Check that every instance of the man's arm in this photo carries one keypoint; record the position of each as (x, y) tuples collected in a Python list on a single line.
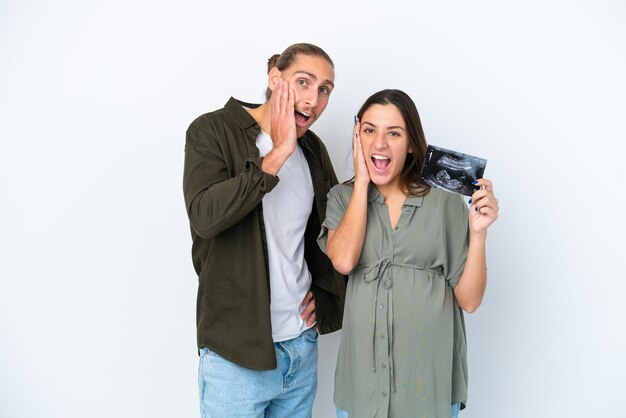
[(214, 200)]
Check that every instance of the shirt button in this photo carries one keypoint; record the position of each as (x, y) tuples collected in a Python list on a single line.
[(381, 306), (387, 252), (383, 366), (384, 394), (382, 335)]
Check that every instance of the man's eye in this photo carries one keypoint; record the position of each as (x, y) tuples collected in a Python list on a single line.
[(302, 82), (325, 91)]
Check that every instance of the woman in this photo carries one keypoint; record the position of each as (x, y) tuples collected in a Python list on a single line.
[(415, 259)]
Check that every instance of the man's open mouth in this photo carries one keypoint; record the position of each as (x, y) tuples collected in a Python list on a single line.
[(302, 117)]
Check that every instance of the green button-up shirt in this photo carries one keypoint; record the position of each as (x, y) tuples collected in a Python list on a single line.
[(403, 351), (223, 186)]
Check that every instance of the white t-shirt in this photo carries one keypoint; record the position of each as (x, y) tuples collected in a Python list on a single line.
[(286, 210)]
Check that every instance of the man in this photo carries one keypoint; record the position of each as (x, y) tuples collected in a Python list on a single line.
[(255, 185)]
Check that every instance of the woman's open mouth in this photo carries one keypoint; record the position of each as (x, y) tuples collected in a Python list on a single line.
[(381, 162)]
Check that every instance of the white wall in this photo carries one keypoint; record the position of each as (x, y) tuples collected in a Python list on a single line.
[(97, 291)]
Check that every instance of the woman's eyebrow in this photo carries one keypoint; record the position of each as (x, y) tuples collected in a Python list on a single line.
[(388, 127)]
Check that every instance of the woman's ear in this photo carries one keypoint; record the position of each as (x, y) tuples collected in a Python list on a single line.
[(273, 76)]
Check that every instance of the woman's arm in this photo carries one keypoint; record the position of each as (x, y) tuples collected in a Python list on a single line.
[(483, 212), (344, 244), (471, 287)]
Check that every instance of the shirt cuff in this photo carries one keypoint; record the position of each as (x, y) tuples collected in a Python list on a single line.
[(268, 181)]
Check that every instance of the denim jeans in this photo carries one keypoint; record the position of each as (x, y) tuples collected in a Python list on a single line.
[(454, 411), (228, 390)]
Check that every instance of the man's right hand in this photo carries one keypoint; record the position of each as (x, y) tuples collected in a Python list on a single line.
[(283, 127)]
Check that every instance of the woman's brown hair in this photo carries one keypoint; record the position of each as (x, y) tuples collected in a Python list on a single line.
[(409, 178)]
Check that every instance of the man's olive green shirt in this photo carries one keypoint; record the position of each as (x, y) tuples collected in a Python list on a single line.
[(224, 186)]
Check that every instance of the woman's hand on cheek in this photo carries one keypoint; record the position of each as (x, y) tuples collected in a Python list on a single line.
[(361, 175)]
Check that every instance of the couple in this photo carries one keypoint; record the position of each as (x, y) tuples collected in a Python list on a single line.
[(415, 257)]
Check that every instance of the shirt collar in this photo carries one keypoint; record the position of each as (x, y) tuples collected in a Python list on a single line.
[(414, 201), (374, 195), (242, 117)]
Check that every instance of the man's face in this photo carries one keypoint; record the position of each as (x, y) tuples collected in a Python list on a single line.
[(312, 80)]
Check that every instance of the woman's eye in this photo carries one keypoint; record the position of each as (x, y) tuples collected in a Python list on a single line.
[(368, 130), (392, 133)]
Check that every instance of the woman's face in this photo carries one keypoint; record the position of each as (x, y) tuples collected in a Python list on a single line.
[(385, 144)]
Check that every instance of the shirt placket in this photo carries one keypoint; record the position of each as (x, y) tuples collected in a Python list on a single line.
[(381, 346), (383, 333)]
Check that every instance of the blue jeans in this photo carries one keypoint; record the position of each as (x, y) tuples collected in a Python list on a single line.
[(228, 390), (454, 411)]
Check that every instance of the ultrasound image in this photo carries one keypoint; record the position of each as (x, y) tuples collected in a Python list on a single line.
[(451, 170)]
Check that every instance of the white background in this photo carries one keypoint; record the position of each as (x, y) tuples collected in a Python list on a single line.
[(97, 290)]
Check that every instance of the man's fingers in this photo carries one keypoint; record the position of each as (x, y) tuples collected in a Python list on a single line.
[(307, 298), (308, 310), (311, 320), (291, 101), (276, 98), (308, 313)]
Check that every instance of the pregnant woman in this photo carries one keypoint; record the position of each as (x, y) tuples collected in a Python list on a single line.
[(415, 257)]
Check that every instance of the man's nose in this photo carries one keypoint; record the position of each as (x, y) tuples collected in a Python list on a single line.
[(311, 98)]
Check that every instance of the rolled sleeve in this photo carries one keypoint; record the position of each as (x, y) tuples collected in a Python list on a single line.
[(335, 210), (267, 180)]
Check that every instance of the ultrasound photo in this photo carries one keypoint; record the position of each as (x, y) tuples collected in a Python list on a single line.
[(451, 170)]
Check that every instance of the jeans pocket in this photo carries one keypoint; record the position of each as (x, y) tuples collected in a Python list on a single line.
[(311, 335), (207, 352)]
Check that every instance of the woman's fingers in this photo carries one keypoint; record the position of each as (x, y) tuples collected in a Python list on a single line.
[(485, 184), (486, 205), (485, 189), (360, 166), (488, 212)]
